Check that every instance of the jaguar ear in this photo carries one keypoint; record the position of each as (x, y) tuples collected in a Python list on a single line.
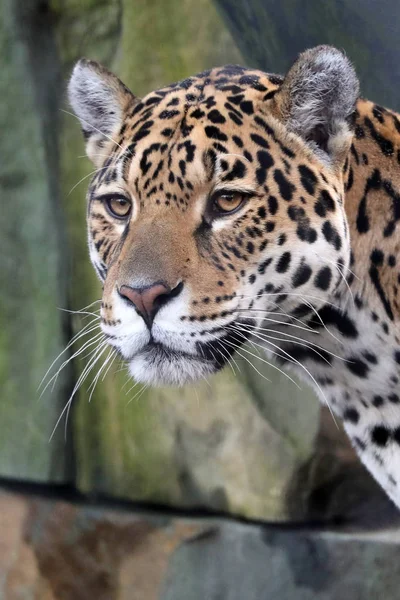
[(100, 101), (317, 101)]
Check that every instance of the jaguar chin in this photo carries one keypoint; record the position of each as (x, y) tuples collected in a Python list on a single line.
[(159, 365)]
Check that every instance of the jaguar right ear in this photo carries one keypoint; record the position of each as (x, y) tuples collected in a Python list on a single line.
[(317, 100), (100, 101)]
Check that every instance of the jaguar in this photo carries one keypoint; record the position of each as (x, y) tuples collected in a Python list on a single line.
[(238, 206)]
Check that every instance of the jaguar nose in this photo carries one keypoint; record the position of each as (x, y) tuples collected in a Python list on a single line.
[(148, 300)]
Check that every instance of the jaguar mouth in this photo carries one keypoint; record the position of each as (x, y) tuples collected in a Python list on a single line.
[(157, 364)]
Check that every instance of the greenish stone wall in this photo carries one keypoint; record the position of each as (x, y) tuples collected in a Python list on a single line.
[(248, 442), (33, 248)]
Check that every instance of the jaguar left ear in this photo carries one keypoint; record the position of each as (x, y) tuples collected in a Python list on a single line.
[(100, 101), (317, 101)]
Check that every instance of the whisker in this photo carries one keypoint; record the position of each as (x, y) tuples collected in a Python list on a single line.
[(308, 373), (302, 297), (285, 323), (226, 356), (82, 377), (307, 343), (80, 350), (261, 359), (71, 343), (92, 126), (80, 312), (138, 395), (85, 177)]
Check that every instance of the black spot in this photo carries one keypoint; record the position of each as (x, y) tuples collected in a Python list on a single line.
[(237, 141), (380, 435), (350, 180), (266, 161), (197, 114), (173, 102), (324, 204), (235, 118), (286, 188), (377, 401), (215, 134), (377, 257), (236, 99), (263, 266), (269, 226), (385, 145), (259, 140), (377, 112), (283, 263), (396, 435), (332, 316), (323, 278), (308, 179), (359, 444), (301, 353), (359, 132), (168, 114), (216, 117), (262, 213), (374, 275), (272, 205), (306, 233), (247, 107), (247, 155), (296, 213), (182, 166), (302, 275), (238, 170), (352, 415), (331, 235), (394, 398), (357, 366), (281, 239), (250, 247), (370, 357), (374, 182), (269, 95)]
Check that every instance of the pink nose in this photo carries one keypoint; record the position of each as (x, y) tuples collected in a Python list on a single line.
[(146, 300)]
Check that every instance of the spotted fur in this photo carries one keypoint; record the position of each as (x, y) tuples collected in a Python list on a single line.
[(307, 267)]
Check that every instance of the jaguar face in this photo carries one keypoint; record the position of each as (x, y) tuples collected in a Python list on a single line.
[(217, 204)]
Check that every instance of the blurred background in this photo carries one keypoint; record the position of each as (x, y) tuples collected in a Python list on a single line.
[(236, 488)]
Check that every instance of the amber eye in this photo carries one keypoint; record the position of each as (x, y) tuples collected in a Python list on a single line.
[(118, 206), (228, 202)]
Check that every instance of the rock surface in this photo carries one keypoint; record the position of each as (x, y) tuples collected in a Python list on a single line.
[(56, 550), (270, 34), (239, 444), (33, 280), (247, 443)]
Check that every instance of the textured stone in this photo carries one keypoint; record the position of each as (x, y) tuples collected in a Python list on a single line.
[(57, 550), (33, 281), (270, 34), (248, 442)]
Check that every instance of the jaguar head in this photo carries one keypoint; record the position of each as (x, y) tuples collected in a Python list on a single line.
[(217, 202)]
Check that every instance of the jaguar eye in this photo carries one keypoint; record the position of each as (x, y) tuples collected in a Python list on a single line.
[(227, 202), (118, 207)]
